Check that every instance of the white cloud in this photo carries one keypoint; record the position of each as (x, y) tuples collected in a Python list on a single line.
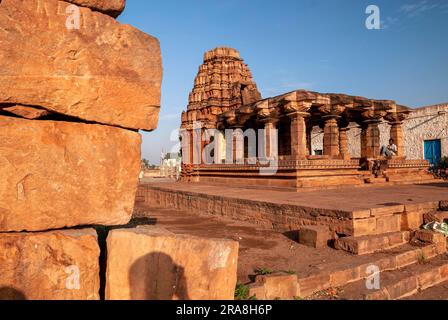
[(418, 8)]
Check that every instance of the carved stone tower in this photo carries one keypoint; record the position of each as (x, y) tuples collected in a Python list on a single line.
[(224, 82)]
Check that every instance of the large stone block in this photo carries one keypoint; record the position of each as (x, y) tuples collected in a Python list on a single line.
[(411, 220), (275, 286), (314, 236), (386, 224), (103, 72), (150, 263), (61, 174), (57, 265), (111, 7), (370, 244)]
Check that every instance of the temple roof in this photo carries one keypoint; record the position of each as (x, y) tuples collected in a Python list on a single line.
[(317, 105), (224, 81), (224, 92)]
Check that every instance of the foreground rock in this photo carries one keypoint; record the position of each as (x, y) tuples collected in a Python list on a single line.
[(60, 174), (150, 263), (59, 265), (102, 72), (111, 7)]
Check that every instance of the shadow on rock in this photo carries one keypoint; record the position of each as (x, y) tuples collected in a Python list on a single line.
[(156, 277), (8, 293)]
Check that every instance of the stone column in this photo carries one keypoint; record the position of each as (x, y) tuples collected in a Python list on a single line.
[(343, 143), (203, 145), (298, 135), (331, 137), (197, 145), (396, 133), (220, 143), (238, 145), (187, 146), (395, 120), (269, 126), (370, 139)]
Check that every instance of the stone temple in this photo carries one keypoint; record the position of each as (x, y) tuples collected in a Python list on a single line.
[(225, 96), (77, 223)]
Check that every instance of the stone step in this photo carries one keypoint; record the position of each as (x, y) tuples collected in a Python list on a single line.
[(374, 243), (438, 292), (399, 284), (309, 286), (389, 260)]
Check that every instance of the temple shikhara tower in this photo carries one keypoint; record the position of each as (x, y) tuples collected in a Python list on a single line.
[(225, 96)]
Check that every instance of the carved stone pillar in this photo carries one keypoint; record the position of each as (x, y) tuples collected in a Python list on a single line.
[(220, 147), (396, 130), (396, 133), (343, 143), (269, 126), (331, 113), (187, 146), (331, 137), (238, 145), (197, 145), (298, 135), (370, 139)]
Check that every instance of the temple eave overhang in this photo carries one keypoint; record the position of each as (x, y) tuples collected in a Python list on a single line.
[(317, 106)]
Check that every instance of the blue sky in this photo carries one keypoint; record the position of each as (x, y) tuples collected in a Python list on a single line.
[(320, 45)]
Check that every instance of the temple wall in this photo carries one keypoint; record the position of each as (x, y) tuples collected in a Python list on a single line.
[(423, 124)]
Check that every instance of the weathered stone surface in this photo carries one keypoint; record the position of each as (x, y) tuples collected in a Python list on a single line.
[(102, 72), (26, 112), (314, 236), (357, 227), (150, 263), (275, 286), (429, 236), (374, 243), (61, 174), (57, 265), (411, 220), (312, 284), (388, 210), (437, 216), (111, 7), (386, 224)]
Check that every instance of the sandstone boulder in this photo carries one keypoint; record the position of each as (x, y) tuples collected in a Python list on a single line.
[(103, 72), (58, 265), (149, 263), (111, 7), (58, 174)]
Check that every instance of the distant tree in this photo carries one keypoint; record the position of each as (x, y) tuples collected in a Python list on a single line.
[(146, 163)]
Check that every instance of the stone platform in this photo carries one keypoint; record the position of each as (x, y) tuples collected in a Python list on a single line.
[(348, 211)]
